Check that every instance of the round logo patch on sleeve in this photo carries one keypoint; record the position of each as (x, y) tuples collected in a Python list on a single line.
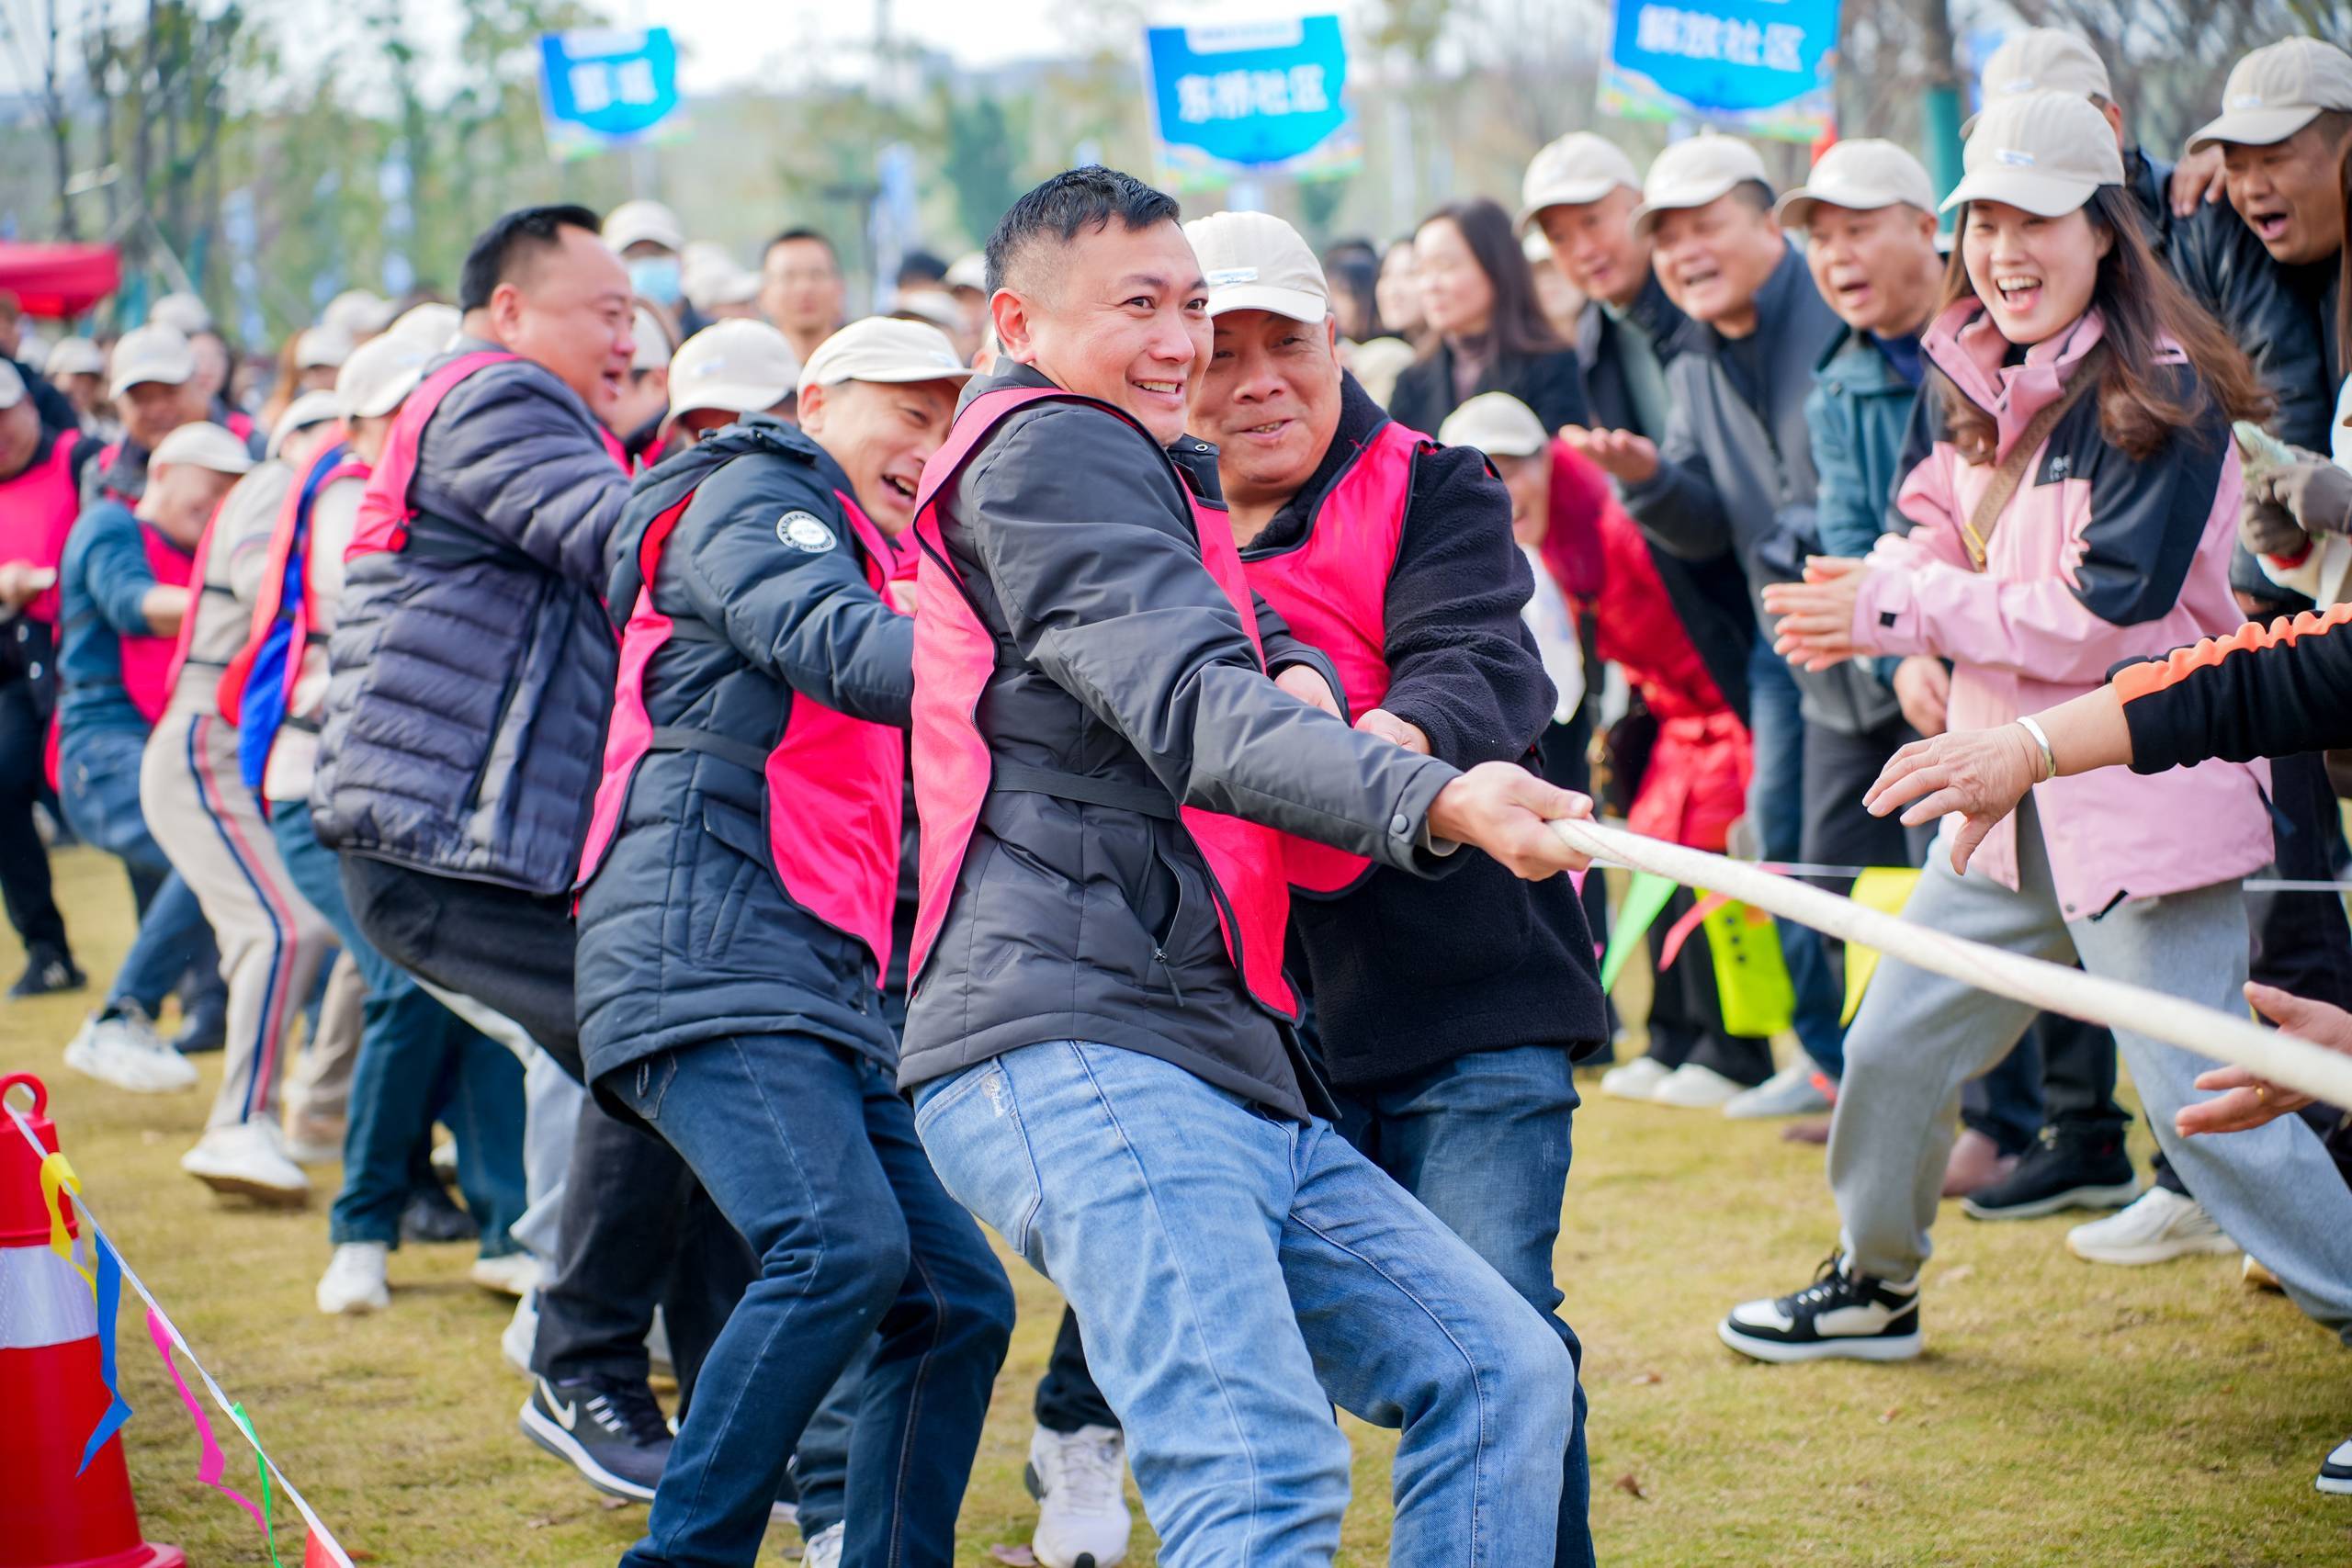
[(805, 531)]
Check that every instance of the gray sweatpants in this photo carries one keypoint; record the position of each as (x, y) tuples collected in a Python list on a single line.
[(1919, 1037)]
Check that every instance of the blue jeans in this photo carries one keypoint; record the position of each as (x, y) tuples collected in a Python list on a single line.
[(1236, 1273), (809, 1151), (98, 786), (1484, 1142), (417, 1060), (1776, 809)]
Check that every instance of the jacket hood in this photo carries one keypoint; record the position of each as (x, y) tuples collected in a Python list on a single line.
[(1965, 346)]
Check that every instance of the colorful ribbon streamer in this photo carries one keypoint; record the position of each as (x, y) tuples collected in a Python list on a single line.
[(57, 1171), (110, 1289), (261, 1463), (1679, 933), (209, 1464)]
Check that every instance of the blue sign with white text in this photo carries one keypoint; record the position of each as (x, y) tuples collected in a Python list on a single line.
[(1760, 66), (606, 87), (1261, 97)]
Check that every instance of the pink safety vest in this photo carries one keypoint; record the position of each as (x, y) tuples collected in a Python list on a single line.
[(150, 664), (954, 656), (835, 792), (37, 510), (1333, 589), (293, 518)]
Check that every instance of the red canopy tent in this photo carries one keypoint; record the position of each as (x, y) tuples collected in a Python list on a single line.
[(58, 280)]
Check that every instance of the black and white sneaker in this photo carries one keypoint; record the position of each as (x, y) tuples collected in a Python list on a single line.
[(1839, 1314), (2067, 1167), (612, 1432), (48, 970), (2335, 1470)]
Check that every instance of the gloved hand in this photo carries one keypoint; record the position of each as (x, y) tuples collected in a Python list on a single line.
[(2316, 493), (2267, 528)]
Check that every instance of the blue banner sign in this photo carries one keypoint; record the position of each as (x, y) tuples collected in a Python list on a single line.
[(1756, 67), (1251, 98), (608, 87)]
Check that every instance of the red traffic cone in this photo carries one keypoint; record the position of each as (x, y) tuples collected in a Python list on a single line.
[(52, 1394), (316, 1553)]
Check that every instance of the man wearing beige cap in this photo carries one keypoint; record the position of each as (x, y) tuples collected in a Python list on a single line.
[(723, 372), (1735, 472), (123, 593), (650, 242), (1395, 558), (761, 759), (358, 313), (153, 385)]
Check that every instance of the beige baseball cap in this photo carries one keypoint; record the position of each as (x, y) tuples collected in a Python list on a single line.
[(879, 348), (151, 353), (1496, 423), (634, 221), (203, 444), (322, 348), (653, 345), (2277, 90), (969, 270), (2046, 153), (738, 366), (380, 373), (75, 356), (12, 386), (184, 312), (929, 305), (708, 278), (1694, 172), (431, 325), (1254, 261), (1863, 175), (2041, 59), (309, 408), (1578, 168), (359, 312)]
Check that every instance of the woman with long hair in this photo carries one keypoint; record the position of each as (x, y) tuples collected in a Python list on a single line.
[(2076, 509), (1488, 331)]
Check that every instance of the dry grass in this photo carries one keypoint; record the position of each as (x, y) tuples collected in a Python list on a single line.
[(2065, 1414)]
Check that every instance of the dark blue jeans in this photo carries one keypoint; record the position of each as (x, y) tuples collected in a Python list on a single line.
[(1776, 811), (811, 1153), (1484, 1142), (417, 1060)]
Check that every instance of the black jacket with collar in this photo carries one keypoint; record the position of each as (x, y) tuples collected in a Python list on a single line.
[(1407, 972), (1608, 396)]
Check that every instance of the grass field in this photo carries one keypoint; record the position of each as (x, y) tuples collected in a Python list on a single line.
[(2063, 1414)]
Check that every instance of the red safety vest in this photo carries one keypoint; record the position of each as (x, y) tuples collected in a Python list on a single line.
[(150, 664), (37, 510), (1333, 589), (836, 786), (954, 656), (288, 539)]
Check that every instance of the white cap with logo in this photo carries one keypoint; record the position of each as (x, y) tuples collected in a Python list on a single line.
[(1694, 172), (633, 223), (2047, 153), (1578, 168), (1254, 261), (2041, 59), (881, 349), (202, 444), (1863, 175), (2277, 90), (12, 386), (151, 353), (358, 312), (739, 366), (75, 356), (380, 373), (309, 408), (1496, 423), (322, 348)]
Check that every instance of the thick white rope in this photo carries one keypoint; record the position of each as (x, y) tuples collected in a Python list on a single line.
[(2053, 988)]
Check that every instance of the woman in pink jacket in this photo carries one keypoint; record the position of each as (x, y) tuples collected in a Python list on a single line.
[(2076, 509)]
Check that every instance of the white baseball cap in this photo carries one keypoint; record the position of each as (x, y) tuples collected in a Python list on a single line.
[(880, 349), (434, 326), (75, 356), (2047, 153), (379, 374), (1496, 423), (202, 444), (12, 386), (708, 278), (309, 408), (931, 305), (1694, 172), (322, 348), (1578, 168), (151, 353), (634, 221), (740, 366), (360, 314), (2277, 90), (2042, 59), (969, 270), (1862, 175), (1254, 261), (184, 312)]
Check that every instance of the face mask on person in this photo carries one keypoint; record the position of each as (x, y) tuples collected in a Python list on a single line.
[(656, 277)]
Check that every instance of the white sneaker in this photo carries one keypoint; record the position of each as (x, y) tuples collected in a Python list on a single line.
[(824, 1548), (1789, 1092), (514, 1274), (354, 1283), (1694, 1088), (1636, 1080), (245, 1159), (2159, 1227), (121, 1048), (1082, 1518), (521, 1334)]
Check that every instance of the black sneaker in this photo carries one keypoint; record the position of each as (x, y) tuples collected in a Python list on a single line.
[(1838, 1315), (48, 970), (2068, 1168), (2335, 1470), (431, 1216), (611, 1432)]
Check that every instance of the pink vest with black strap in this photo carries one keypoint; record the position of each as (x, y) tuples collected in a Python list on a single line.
[(835, 794), (150, 664), (37, 510), (1333, 589), (953, 771)]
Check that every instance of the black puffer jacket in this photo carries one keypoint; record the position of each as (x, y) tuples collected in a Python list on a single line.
[(1117, 657), (2284, 317), (464, 725), (686, 932)]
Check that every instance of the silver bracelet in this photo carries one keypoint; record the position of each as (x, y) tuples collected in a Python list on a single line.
[(2048, 757)]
